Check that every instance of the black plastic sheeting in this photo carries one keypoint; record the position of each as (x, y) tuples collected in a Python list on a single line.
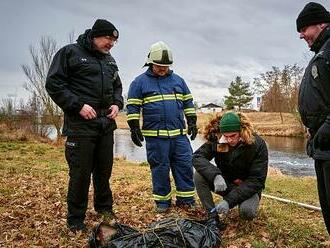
[(165, 233)]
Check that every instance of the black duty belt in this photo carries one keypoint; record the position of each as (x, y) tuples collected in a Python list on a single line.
[(102, 112)]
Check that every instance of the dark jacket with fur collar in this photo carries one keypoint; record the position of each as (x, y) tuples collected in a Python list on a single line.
[(249, 163)]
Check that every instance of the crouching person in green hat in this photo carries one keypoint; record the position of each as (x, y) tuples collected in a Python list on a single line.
[(241, 159)]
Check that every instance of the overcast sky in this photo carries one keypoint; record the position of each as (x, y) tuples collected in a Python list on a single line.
[(212, 41)]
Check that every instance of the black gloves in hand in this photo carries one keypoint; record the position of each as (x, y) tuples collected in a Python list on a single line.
[(192, 128), (322, 137), (136, 134), (192, 131)]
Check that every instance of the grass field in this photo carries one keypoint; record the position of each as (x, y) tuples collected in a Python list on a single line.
[(33, 186)]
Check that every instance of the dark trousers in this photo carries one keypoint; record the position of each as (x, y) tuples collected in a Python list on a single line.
[(322, 168), (248, 209), (88, 156)]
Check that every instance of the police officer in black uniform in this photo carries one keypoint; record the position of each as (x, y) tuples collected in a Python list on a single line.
[(314, 96), (83, 81)]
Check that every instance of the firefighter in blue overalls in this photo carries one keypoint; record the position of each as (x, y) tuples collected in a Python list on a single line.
[(164, 99)]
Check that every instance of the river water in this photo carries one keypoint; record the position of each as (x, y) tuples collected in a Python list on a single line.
[(285, 153)]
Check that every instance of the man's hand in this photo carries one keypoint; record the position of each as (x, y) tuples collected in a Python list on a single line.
[(87, 112), (192, 127), (322, 137), (113, 111), (222, 207), (219, 184), (137, 136), (192, 131)]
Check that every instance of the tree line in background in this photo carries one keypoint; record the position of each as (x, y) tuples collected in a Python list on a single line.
[(277, 87), (39, 114)]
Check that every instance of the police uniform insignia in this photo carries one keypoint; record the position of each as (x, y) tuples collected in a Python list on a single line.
[(314, 71)]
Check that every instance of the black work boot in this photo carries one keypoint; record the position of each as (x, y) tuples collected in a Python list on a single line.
[(76, 226)]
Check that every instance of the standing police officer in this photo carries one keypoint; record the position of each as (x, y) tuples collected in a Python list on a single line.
[(314, 96), (164, 99), (83, 80)]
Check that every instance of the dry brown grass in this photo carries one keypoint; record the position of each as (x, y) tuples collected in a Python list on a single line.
[(33, 187), (271, 124), (8, 134), (267, 123), (264, 124)]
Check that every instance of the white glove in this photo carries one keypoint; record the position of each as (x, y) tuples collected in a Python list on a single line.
[(222, 207), (219, 184)]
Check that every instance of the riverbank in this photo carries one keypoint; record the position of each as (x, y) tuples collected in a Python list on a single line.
[(268, 124), (33, 203)]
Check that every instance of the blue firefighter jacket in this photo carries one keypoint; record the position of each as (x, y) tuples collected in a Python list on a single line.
[(164, 101)]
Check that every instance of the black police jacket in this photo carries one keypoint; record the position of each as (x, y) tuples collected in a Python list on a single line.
[(314, 93), (248, 163), (81, 75)]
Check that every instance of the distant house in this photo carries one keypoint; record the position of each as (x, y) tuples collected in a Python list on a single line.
[(256, 103), (210, 108)]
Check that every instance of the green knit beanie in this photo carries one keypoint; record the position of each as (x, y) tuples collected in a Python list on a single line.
[(230, 122)]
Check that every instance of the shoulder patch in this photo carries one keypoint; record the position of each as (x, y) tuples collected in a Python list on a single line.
[(314, 71)]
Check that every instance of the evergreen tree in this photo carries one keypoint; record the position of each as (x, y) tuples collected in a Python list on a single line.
[(240, 94)]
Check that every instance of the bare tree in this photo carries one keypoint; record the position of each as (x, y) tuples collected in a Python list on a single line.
[(71, 36), (8, 106), (279, 89), (12, 114), (48, 112)]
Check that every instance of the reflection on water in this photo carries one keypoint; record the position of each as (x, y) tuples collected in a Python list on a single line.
[(294, 145), (286, 153)]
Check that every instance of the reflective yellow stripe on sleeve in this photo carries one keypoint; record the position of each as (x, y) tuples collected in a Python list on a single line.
[(133, 117), (190, 111), (187, 97)]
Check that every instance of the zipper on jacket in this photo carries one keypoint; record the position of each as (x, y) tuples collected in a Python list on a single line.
[(164, 107), (102, 75)]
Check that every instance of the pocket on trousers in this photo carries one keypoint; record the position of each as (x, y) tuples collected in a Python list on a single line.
[(153, 149), (71, 148)]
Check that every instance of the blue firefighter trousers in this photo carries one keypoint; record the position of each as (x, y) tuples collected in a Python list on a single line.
[(175, 154)]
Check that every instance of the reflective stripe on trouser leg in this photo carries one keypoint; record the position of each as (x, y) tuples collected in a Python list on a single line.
[(182, 170), (158, 159)]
